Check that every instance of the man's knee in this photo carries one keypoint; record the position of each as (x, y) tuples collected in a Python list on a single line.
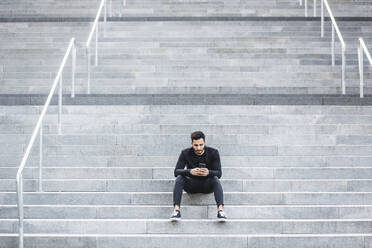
[(216, 181), (180, 179), (213, 185)]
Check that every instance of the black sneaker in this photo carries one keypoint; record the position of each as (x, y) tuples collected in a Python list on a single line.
[(176, 216), (221, 216)]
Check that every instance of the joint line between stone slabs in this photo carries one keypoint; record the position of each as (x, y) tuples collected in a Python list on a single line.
[(176, 99), (179, 18)]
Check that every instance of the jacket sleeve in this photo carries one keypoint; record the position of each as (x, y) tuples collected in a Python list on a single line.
[(216, 165), (180, 167)]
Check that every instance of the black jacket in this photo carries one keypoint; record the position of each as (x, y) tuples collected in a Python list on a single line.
[(213, 162)]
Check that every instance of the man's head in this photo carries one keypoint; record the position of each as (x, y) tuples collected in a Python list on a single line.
[(198, 142)]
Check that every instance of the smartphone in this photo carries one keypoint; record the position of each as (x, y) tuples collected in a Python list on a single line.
[(202, 165)]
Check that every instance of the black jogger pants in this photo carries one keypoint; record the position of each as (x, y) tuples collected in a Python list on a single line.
[(197, 185)]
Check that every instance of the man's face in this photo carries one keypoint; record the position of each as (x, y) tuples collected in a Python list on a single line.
[(198, 146)]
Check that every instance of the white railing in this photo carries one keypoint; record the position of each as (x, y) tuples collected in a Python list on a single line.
[(306, 7), (334, 28), (102, 6), (122, 5), (39, 130), (95, 29), (362, 49), (343, 45)]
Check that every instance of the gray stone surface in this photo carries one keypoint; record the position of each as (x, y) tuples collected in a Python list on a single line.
[(254, 75), (229, 58)]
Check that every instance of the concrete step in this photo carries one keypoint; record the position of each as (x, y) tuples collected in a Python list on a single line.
[(115, 111), (185, 240), (165, 198), (332, 87), (176, 8), (225, 150), (313, 212), (202, 119), (19, 132), (162, 185), (167, 173), (162, 94), (140, 139), (191, 226), (178, 86), (326, 161), (17, 71)]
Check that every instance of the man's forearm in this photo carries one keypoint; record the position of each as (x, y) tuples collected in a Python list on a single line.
[(182, 172), (213, 173), (180, 167)]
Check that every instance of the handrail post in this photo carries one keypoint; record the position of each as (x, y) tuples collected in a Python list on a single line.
[(104, 18), (20, 208), (88, 69), (73, 59), (95, 29), (305, 8), (96, 59), (343, 70), (110, 8), (300, 2), (60, 106), (333, 45), (322, 18), (360, 60), (335, 28), (314, 8), (41, 159), (123, 3)]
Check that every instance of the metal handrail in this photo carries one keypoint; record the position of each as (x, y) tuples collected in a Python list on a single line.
[(334, 27), (362, 49), (39, 129), (306, 7), (95, 29), (343, 45)]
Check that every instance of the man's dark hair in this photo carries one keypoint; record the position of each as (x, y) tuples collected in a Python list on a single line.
[(197, 135)]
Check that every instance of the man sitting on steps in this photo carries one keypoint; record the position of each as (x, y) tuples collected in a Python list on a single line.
[(201, 176)]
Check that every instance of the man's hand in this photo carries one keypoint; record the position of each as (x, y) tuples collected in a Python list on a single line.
[(204, 172), (200, 172), (195, 172)]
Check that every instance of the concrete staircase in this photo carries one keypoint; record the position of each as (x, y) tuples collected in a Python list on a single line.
[(291, 175), (296, 168)]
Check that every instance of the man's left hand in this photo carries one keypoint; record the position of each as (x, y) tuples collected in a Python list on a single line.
[(204, 172)]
